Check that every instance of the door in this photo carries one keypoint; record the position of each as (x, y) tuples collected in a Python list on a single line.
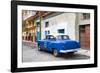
[(85, 36), (38, 35)]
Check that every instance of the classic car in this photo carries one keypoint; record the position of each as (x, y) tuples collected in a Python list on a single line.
[(58, 45)]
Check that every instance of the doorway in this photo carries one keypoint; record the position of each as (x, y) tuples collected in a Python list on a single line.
[(84, 33)]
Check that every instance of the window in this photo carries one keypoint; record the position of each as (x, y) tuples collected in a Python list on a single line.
[(45, 32), (38, 24), (46, 24), (86, 16), (48, 32), (61, 31)]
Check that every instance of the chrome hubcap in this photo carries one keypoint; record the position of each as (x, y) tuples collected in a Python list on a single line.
[(55, 53)]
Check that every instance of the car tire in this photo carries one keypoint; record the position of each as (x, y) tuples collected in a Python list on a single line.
[(39, 48), (55, 53)]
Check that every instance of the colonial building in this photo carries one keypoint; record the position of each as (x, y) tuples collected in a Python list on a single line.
[(28, 25)]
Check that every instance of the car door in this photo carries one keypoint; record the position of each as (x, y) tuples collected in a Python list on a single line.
[(45, 44)]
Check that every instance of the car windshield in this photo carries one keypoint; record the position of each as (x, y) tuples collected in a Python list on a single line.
[(63, 37)]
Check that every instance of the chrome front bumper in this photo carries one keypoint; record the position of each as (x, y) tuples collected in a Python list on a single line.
[(65, 51)]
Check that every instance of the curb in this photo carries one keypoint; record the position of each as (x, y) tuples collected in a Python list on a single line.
[(83, 52)]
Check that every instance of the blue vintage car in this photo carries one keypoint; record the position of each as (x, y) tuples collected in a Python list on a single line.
[(58, 45)]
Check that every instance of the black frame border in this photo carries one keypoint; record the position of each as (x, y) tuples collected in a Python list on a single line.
[(14, 4)]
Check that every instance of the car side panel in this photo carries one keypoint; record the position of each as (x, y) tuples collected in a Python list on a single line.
[(41, 44), (53, 46), (49, 45)]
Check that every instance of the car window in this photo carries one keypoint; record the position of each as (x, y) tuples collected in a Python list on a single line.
[(50, 37), (62, 37), (65, 37), (59, 37)]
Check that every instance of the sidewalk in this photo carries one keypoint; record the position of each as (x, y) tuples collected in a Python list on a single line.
[(83, 52), (29, 43)]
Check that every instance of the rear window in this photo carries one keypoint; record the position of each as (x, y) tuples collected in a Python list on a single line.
[(62, 37)]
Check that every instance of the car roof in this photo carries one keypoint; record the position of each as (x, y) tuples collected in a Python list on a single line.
[(57, 35)]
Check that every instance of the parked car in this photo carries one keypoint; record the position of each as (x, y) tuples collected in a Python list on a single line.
[(58, 45)]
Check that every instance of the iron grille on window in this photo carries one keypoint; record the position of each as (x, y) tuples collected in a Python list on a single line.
[(86, 16), (46, 24)]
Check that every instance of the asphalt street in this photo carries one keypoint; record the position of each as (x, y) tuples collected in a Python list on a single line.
[(31, 54)]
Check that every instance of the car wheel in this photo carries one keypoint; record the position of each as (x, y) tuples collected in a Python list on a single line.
[(55, 53), (39, 48)]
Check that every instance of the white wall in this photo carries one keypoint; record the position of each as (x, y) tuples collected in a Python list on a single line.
[(71, 25), (63, 21)]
